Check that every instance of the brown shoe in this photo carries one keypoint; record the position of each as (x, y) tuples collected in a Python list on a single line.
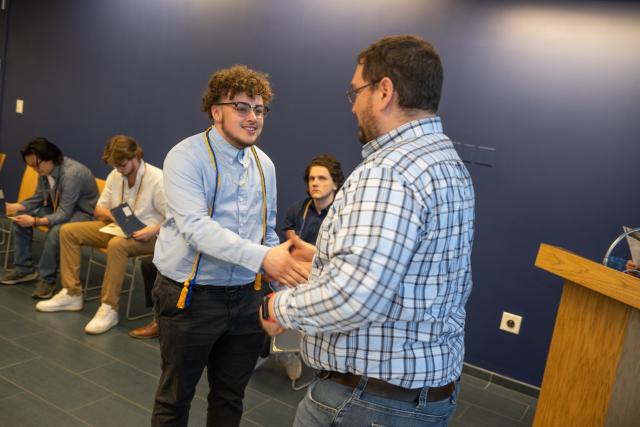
[(145, 332)]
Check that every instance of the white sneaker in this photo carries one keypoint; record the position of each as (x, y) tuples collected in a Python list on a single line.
[(106, 318), (61, 301)]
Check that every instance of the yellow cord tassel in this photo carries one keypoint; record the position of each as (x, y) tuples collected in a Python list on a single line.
[(184, 293), (257, 285)]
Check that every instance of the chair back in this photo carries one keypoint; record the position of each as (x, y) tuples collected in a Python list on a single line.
[(3, 157), (28, 184), (100, 183)]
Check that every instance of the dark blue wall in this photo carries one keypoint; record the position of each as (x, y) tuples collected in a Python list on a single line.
[(551, 89)]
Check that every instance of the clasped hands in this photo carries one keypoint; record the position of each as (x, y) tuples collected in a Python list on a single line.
[(289, 263)]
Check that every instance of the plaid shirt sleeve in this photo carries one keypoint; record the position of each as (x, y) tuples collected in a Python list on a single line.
[(374, 233)]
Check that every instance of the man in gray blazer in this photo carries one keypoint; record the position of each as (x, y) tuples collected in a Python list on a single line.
[(66, 191)]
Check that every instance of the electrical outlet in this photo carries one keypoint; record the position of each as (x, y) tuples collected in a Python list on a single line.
[(511, 323)]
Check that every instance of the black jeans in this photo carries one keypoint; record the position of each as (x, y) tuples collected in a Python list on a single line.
[(219, 330)]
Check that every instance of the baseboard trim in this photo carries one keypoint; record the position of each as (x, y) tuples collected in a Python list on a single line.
[(501, 380)]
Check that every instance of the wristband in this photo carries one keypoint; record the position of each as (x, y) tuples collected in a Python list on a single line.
[(35, 221), (265, 308)]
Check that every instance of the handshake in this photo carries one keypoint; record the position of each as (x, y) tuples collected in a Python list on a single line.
[(289, 263)]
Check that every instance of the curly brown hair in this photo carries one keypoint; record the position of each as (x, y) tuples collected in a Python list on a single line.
[(235, 80)]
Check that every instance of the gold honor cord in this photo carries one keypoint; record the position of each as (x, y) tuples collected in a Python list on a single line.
[(185, 294), (257, 285), (304, 217), (56, 199), (135, 202)]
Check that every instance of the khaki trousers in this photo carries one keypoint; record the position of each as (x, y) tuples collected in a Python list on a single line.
[(77, 234)]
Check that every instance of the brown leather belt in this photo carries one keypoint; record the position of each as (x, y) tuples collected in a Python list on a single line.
[(387, 390)]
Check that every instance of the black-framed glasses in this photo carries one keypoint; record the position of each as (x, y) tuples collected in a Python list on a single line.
[(352, 94), (243, 108)]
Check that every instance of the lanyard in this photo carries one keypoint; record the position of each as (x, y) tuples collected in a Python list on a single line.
[(135, 202), (185, 295), (304, 217)]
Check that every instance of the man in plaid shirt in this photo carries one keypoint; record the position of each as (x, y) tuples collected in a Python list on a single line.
[(383, 310)]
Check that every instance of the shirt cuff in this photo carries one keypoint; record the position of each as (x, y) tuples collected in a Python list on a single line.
[(280, 303), (254, 257)]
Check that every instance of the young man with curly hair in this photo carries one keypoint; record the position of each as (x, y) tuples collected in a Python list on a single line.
[(218, 238)]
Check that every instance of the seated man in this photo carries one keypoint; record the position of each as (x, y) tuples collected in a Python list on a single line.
[(132, 181), (66, 191), (323, 178)]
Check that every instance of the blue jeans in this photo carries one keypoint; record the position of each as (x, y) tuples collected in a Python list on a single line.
[(50, 257), (328, 403)]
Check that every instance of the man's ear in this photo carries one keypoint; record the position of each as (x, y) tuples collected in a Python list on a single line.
[(386, 91)]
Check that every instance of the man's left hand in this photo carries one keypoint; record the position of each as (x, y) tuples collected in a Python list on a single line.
[(24, 220), (272, 327), (144, 234)]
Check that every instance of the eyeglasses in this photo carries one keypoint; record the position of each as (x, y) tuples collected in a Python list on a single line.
[(352, 94), (243, 108)]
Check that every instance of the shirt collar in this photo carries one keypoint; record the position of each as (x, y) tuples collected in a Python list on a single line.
[(55, 172), (412, 129), (225, 150)]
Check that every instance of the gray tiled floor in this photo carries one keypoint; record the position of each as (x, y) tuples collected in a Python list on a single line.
[(53, 374)]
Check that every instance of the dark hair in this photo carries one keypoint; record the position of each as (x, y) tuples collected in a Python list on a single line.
[(43, 149), (235, 80), (121, 148), (412, 64), (332, 165)]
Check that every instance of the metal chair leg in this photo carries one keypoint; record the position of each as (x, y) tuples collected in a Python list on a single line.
[(136, 267)]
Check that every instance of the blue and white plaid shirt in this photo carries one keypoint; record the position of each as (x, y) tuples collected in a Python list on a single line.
[(392, 271)]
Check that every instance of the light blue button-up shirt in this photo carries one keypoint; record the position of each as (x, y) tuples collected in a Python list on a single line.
[(229, 242)]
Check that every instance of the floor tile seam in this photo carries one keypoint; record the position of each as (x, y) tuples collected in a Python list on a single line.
[(37, 356), (76, 374), (104, 365), (102, 352), (112, 392), (18, 314), (253, 390), (464, 411), (12, 395), (45, 401), (257, 424), (58, 364), (492, 411), (115, 394), (91, 403), (126, 364), (530, 407), (509, 398), (25, 335), (259, 405)]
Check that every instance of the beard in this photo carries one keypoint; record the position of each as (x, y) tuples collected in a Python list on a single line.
[(235, 140), (367, 126)]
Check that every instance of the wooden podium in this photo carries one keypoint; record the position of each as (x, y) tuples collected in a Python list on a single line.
[(592, 376)]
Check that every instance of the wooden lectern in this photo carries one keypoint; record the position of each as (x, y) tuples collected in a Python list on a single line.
[(592, 376)]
